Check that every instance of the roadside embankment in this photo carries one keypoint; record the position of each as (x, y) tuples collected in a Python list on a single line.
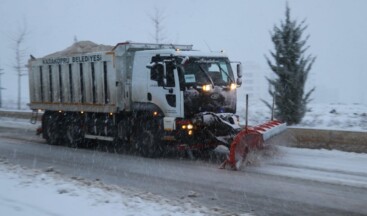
[(351, 141)]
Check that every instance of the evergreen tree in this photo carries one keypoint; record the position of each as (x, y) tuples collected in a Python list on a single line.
[(291, 68)]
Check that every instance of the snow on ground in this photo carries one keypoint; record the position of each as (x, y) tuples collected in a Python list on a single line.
[(34, 192), (47, 192), (322, 116), (29, 192), (339, 116), (329, 166)]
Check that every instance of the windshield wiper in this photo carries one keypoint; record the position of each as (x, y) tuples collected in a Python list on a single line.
[(206, 74), (225, 72)]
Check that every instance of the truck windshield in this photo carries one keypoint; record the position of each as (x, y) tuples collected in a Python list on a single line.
[(215, 71)]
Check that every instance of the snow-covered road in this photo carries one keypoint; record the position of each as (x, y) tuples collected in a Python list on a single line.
[(328, 166), (280, 180), (44, 192)]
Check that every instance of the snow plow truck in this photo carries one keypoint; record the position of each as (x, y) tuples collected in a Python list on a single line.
[(146, 96)]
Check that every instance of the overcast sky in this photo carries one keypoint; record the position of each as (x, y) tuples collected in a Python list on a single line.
[(337, 29)]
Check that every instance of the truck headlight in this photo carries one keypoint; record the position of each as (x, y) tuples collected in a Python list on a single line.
[(233, 86), (207, 87)]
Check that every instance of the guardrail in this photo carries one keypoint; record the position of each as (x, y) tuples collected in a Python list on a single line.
[(19, 114)]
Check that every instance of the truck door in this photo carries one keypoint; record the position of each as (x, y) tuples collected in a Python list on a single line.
[(164, 88)]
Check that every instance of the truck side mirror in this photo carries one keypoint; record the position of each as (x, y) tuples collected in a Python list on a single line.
[(239, 74), (239, 81), (239, 70), (151, 65)]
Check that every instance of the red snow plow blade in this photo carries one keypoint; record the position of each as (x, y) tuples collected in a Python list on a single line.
[(249, 139)]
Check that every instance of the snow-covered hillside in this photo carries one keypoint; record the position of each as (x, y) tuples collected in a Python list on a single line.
[(337, 116)]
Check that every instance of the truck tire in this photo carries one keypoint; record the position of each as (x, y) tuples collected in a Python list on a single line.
[(124, 130), (74, 133), (45, 117), (148, 141), (148, 144), (53, 130)]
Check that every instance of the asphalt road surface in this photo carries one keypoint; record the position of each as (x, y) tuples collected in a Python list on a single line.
[(246, 191)]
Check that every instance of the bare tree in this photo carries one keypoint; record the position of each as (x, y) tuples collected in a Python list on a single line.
[(20, 53), (157, 20)]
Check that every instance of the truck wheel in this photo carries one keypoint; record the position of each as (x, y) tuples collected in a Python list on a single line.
[(45, 117), (74, 133), (53, 133), (124, 130), (148, 144)]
